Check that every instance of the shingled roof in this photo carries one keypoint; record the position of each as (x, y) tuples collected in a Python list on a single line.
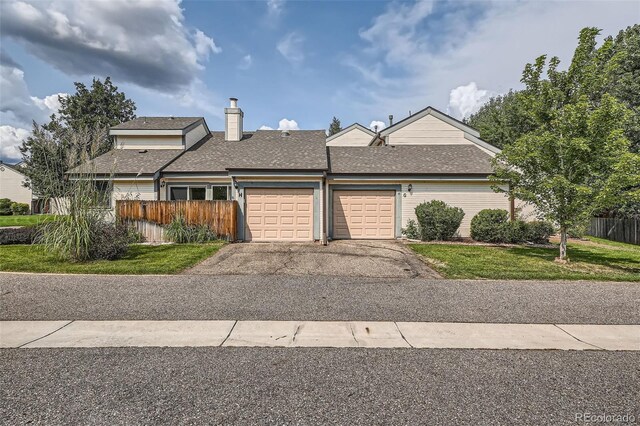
[(410, 159), (261, 150), (158, 123), (129, 162)]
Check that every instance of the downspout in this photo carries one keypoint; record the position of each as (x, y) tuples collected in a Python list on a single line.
[(325, 187)]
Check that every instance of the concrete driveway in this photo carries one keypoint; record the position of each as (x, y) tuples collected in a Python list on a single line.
[(375, 259)]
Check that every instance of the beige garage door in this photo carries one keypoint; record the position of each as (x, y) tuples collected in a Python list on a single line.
[(279, 214), (364, 214)]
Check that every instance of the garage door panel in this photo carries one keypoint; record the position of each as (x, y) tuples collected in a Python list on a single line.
[(363, 214), (279, 214)]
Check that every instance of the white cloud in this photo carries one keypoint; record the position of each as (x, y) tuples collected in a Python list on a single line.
[(377, 124), (205, 45), (246, 62), (275, 8), (10, 139), (144, 42), (291, 48), (263, 127), (415, 55), (285, 124), (465, 100)]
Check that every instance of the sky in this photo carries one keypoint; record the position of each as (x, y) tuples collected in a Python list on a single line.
[(291, 64)]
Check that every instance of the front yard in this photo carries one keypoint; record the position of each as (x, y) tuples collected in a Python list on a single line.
[(24, 220), (595, 259), (140, 259)]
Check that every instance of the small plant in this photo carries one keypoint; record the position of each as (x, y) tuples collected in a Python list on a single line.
[(437, 220), (491, 226), (5, 207), (19, 208), (111, 241), (180, 232), (411, 231)]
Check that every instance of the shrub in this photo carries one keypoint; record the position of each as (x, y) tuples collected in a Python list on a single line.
[(492, 226), (437, 220), (517, 231), (539, 232), (179, 231), (23, 235), (5, 207), (19, 208), (411, 231), (111, 241)]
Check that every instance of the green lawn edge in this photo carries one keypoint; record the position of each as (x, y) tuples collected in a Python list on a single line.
[(601, 261), (24, 220), (139, 260)]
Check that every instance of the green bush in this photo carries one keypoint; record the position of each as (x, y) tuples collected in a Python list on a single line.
[(22, 235), (179, 231), (411, 231), (517, 231), (539, 232), (492, 226), (19, 208), (5, 207), (437, 220), (111, 241)]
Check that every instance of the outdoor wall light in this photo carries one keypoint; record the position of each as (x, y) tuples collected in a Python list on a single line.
[(162, 183), (409, 188)]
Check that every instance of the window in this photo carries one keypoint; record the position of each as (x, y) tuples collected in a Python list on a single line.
[(103, 194), (178, 193), (197, 193), (220, 193)]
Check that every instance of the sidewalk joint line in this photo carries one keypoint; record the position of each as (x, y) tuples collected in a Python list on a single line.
[(402, 335), (581, 341), (46, 335), (230, 331)]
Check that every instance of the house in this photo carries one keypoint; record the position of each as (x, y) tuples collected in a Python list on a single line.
[(12, 184), (299, 185)]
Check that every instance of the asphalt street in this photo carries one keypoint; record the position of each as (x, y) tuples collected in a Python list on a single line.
[(314, 386), (78, 297)]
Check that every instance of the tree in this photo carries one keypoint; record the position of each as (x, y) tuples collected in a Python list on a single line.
[(564, 166), (335, 126), (93, 110)]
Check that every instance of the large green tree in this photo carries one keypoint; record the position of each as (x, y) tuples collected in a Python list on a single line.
[(565, 166), (335, 126), (45, 151)]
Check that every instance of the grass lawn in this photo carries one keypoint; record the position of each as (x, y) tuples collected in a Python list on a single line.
[(24, 220), (141, 259), (595, 259)]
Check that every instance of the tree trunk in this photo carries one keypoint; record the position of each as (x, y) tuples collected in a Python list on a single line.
[(563, 246)]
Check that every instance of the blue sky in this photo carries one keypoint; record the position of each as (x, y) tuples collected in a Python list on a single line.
[(291, 63)]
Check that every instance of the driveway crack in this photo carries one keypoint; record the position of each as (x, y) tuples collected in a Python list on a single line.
[(581, 341), (402, 335), (295, 333), (353, 333), (48, 334), (229, 334)]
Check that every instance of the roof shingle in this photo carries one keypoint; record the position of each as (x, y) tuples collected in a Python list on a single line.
[(157, 123), (410, 159), (129, 162)]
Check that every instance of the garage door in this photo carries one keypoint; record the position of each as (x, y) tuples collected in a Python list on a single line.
[(279, 214), (364, 214)]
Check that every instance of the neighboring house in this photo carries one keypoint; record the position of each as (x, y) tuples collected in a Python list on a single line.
[(12, 184), (299, 185), (354, 135)]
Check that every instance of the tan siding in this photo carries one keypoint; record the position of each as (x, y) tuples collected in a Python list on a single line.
[(355, 137), (149, 142), (132, 190), (11, 186), (427, 130), (195, 135), (470, 197)]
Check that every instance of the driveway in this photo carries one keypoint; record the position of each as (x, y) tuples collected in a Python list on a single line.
[(374, 259)]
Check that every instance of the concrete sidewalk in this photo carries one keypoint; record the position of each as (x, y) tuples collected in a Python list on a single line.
[(334, 334)]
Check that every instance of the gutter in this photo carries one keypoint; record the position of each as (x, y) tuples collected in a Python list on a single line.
[(325, 187)]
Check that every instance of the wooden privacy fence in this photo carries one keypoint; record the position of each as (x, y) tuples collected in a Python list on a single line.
[(623, 230), (219, 216)]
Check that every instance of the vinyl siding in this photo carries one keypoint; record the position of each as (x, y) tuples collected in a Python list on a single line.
[(148, 142), (11, 186), (132, 190), (195, 135), (428, 130), (355, 137), (470, 197)]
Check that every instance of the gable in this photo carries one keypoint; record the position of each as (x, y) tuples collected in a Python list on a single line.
[(354, 135)]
